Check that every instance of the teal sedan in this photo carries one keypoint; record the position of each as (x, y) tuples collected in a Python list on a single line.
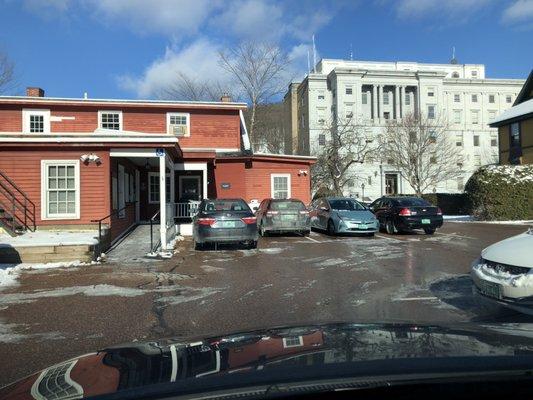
[(342, 215)]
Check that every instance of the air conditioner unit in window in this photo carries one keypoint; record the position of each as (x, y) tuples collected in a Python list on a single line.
[(179, 130)]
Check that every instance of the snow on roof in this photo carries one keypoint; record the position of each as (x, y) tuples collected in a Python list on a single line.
[(514, 112)]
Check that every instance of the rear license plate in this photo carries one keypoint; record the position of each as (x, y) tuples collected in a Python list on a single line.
[(226, 224), (289, 217), (490, 289), (426, 221)]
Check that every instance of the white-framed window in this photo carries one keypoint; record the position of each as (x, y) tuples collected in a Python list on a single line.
[(153, 187), (407, 99), (321, 95), (296, 341), (349, 90), (494, 140), (364, 98), (280, 186), (456, 116), (321, 139), (508, 99), (475, 117), (476, 140), (459, 139), (60, 189), (474, 74), (108, 119), (457, 98), (178, 124), (385, 98), (431, 92), (35, 121), (477, 160), (474, 98), (492, 115), (431, 111), (492, 98)]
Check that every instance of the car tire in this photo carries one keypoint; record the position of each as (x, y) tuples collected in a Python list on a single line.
[(389, 227), (262, 230), (370, 234), (331, 228), (252, 244), (429, 231), (306, 233), (198, 246)]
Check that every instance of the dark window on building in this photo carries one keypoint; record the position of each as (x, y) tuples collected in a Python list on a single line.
[(491, 98), (348, 90), (321, 139), (515, 135), (476, 140)]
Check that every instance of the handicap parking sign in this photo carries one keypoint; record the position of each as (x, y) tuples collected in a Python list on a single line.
[(159, 152)]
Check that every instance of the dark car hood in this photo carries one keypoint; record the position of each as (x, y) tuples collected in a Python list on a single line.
[(281, 352)]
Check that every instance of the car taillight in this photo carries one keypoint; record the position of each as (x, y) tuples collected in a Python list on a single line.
[(404, 212), (271, 213), (206, 221), (439, 211), (249, 220)]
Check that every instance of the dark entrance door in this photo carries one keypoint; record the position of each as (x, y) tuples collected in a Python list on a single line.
[(190, 188), (391, 184)]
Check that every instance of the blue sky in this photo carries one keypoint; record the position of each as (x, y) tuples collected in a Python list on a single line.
[(133, 48)]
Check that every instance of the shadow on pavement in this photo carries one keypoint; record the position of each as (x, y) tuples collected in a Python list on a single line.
[(457, 292)]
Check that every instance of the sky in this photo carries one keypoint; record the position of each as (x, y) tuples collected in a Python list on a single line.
[(134, 48)]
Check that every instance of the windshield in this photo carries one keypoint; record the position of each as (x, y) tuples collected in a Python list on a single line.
[(186, 177), (213, 206), (346, 205)]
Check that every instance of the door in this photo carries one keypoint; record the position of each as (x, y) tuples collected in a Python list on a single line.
[(391, 184), (121, 192), (190, 188)]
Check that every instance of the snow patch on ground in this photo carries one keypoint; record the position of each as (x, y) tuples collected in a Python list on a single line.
[(332, 262), (209, 268), (191, 294), (49, 238), (9, 273), (272, 250), (10, 333), (458, 217)]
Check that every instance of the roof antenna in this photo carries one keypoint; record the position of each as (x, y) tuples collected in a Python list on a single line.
[(351, 52), (314, 54), (308, 63), (453, 60)]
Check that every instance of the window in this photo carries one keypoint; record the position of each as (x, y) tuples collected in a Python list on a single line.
[(431, 112), (492, 115), (321, 95), (385, 98), (349, 90), (364, 98), (407, 99), (386, 115), (110, 120), (321, 139), (178, 124), (474, 74), (508, 99), (491, 98), (280, 186), (349, 114), (457, 116), (36, 121), (457, 98), (431, 92), (515, 139), (296, 341), (432, 136), (477, 160), (60, 183), (455, 75), (460, 183), (475, 117), (458, 139), (474, 98), (493, 140), (476, 140), (153, 187)]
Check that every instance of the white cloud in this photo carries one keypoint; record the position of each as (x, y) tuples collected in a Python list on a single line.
[(459, 9), (304, 25), (519, 11), (196, 60)]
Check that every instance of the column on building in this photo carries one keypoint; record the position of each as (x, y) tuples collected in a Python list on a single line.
[(380, 101), (396, 103), (374, 102), (402, 101), (358, 92)]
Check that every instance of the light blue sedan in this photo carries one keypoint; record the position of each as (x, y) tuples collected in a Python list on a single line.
[(342, 215)]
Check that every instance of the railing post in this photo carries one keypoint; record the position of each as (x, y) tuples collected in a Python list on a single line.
[(151, 235), (25, 215), (14, 209), (99, 239)]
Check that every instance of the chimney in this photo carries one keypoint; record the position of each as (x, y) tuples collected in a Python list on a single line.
[(226, 98), (34, 92)]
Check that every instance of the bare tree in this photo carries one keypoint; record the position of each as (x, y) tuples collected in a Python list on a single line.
[(7, 77), (269, 125), (258, 70), (344, 144), (422, 150), (187, 88)]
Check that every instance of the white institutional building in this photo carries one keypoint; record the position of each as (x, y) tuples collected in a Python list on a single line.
[(373, 92)]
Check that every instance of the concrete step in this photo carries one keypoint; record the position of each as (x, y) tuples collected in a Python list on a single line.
[(44, 254)]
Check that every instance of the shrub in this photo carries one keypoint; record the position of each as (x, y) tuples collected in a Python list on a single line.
[(501, 192), (449, 203)]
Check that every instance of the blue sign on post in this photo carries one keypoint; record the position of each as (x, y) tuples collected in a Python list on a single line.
[(159, 152)]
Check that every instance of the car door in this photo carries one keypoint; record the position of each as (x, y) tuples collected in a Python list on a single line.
[(261, 211), (313, 210), (323, 214), (378, 209)]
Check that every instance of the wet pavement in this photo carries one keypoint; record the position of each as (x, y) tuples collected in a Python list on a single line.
[(55, 314)]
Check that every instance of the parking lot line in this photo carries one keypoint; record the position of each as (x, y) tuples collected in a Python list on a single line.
[(454, 234), (388, 237), (312, 240), (418, 298)]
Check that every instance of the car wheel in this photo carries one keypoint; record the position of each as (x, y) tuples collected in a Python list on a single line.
[(306, 233), (389, 227), (252, 244), (331, 228), (370, 234), (198, 246), (429, 231)]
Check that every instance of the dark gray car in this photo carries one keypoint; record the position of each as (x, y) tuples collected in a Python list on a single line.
[(224, 221), (283, 215)]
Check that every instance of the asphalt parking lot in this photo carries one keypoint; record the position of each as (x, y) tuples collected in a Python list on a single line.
[(54, 314)]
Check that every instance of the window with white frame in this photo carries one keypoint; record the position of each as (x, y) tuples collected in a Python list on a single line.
[(494, 140), (178, 124), (431, 111), (492, 115), (296, 341), (364, 98), (508, 99), (407, 99), (385, 98), (477, 160), (153, 187), (459, 139), (60, 185), (491, 98), (474, 98), (475, 117), (321, 139), (457, 98), (110, 120), (456, 116), (474, 74), (349, 90), (36, 121), (476, 140), (280, 186), (321, 95), (431, 92)]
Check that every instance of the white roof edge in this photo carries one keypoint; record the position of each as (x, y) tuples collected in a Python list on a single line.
[(514, 112), (124, 101), (285, 155), (398, 62)]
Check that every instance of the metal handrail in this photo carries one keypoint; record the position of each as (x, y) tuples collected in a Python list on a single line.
[(152, 249), (9, 195), (103, 219)]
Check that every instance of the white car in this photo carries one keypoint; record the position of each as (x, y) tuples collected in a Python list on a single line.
[(504, 272)]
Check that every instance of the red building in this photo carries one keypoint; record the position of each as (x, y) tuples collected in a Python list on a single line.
[(69, 162)]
